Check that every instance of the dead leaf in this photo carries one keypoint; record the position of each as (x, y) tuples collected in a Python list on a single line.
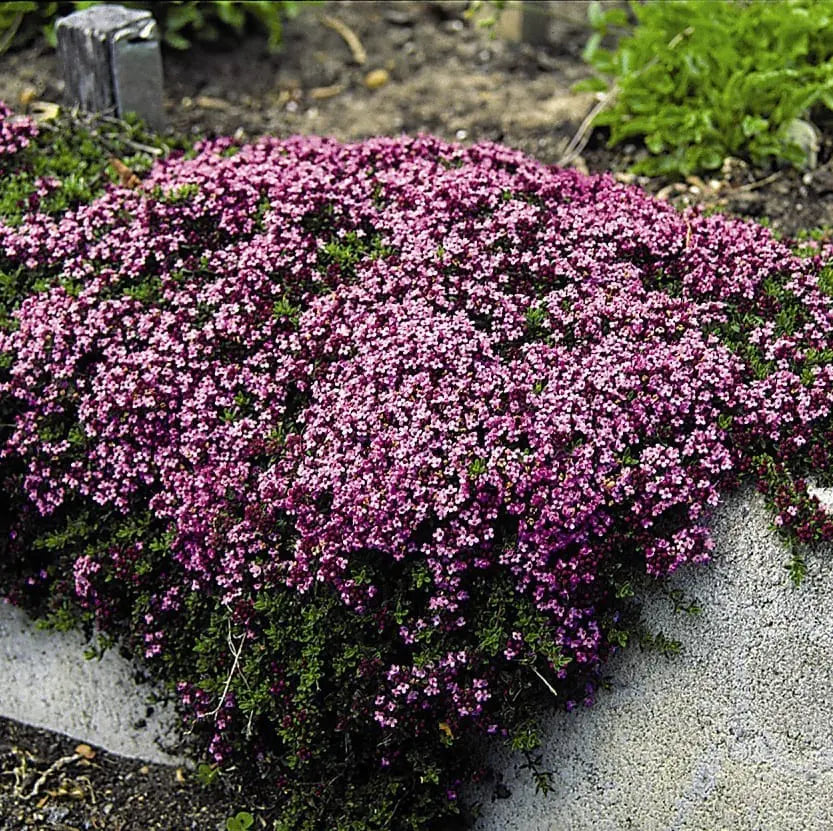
[(179, 775), (85, 751), (44, 111), (27, 96), (127, 178), (207, 102)]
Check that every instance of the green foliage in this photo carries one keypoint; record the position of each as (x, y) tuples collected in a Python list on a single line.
[(681, 603), (797, 567), (68, 164), (180, 21), (207, 774), (344, 253), (324, 756), (240, 822), (485, 13), (699, 80), (658, 642)]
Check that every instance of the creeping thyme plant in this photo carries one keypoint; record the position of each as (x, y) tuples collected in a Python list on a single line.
[(355, 445)]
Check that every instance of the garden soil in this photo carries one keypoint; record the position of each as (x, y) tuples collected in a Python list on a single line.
[(424, 67), (412, 67)]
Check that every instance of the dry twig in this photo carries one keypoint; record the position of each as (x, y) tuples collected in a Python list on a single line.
[(545, 682), (757, 184), (236, 650), (349, 36), (55, 766)]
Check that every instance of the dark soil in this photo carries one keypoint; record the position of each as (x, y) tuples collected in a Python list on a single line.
[(439, 73), (427, 69), (46, 784)]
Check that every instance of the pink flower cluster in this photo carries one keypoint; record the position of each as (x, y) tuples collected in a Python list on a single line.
[(15, 132), (514, 370)]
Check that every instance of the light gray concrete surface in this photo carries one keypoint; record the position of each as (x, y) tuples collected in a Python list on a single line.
[(45, 682), (734, 734)]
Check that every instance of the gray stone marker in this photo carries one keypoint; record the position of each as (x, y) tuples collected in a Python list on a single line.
[(111, 61)]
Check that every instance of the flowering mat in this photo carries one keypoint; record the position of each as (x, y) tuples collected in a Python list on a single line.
[(358, 447)]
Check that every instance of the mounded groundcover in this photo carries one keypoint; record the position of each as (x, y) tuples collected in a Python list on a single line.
[(358, 446)]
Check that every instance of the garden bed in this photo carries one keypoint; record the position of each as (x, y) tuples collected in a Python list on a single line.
[(517, 95)]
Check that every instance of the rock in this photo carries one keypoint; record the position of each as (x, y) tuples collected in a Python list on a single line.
[(735, 171), (806, 135), (399, 17), (47, 683), (821, 181)]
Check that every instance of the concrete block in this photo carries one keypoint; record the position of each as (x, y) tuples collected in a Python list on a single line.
[(111, 61), (46, 682), (734, 734)]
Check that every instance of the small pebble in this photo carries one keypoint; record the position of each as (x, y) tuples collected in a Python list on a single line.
[(399, 17), (376, 78), (27, 96)]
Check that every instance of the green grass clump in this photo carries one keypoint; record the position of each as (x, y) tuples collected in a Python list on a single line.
[(700, 80)]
